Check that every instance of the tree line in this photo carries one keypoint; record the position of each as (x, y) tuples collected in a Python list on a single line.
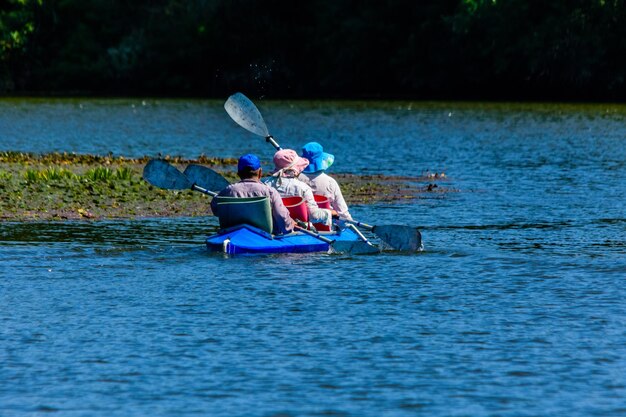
[(424, 49)]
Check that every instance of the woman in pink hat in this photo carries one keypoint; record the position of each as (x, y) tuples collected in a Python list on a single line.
[(288, 166)]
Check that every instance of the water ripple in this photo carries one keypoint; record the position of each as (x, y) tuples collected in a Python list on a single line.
[(514, 308)]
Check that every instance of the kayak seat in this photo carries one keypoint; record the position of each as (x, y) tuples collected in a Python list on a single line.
[(322, 202), (297, 208), (235, 211)]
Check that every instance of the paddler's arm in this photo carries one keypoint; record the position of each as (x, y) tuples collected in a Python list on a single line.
[(316, 214), (338, 203)]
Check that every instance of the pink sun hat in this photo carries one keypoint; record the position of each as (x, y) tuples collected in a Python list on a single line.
[(288, 160)]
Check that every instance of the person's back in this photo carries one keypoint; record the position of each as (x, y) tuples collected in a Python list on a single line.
[(249, 171), (325, 185), (285, 181), (322, 183)]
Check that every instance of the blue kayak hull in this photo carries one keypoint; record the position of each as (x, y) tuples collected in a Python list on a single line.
[(249, 239)]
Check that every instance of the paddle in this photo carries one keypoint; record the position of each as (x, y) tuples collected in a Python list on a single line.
[(205, 177), (245, 114), (164, 175), (200, 178), (358, 247), (399, 237)]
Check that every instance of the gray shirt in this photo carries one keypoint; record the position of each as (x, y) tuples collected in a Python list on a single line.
[(252, 188)]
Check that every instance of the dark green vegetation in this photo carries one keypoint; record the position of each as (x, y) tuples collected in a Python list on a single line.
[(515, 49), (70, 186), (66, 186)]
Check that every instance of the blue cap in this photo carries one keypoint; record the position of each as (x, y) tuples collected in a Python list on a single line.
[(250, 161)]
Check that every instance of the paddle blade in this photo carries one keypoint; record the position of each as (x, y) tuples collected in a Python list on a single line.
[(205, 177), (355, 247), (245, 114), (403, 238), (163, 175)]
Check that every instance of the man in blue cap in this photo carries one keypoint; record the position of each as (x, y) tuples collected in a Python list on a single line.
[(249, 171)]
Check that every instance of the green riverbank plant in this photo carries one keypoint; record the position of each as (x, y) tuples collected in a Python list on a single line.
[(49, 174), (105, 174), (5, 176), (75, 186), (99, 174)]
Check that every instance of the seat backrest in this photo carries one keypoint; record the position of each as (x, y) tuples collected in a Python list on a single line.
[(297, 208), (255, 211)]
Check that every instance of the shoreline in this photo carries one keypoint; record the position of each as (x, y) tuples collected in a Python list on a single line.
[(69, 186)]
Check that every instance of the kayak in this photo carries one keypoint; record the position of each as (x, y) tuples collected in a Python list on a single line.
[(249, 239)]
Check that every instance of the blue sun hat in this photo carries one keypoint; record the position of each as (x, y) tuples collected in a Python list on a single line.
[(318, 159)]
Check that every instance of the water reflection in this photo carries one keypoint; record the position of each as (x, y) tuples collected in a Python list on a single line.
[(103, 233)]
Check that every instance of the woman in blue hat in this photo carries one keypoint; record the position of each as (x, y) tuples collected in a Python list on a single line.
[(321, 183)]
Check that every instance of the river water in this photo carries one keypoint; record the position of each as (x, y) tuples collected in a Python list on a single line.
[(515, 307)]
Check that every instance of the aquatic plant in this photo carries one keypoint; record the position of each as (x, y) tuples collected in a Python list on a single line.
[(65, 158), (54, 173), (123, 173), (49, 174), (99, 174), (106, 174), (67, 185), (31, 175)]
